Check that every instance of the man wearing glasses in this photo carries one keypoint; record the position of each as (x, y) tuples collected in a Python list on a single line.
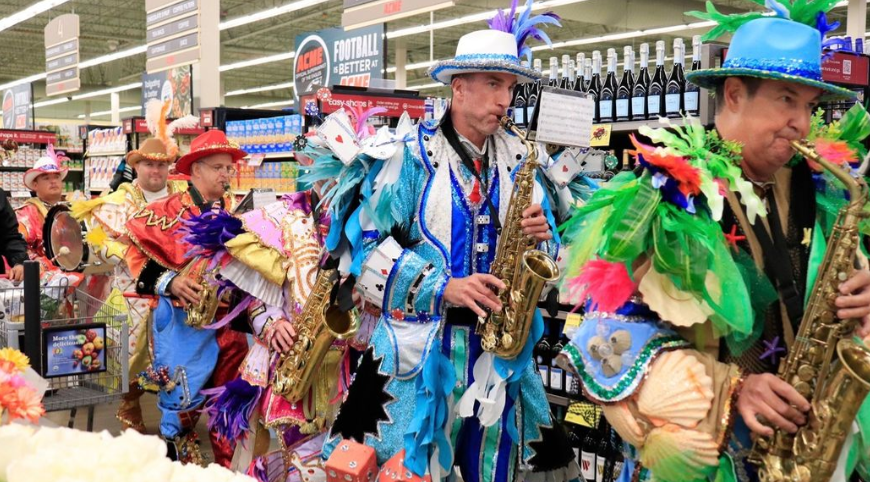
[(187, 355)]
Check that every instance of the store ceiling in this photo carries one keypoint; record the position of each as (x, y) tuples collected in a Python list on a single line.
[(112, 25)]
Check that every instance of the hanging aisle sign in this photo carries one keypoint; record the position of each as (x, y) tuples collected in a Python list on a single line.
[(62, 55), (334, 57), (173, 32)]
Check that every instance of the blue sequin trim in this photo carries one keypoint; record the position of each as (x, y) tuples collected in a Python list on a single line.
[(482, 67), (388, 289), (800, 68), (421, 218), (513, 59)]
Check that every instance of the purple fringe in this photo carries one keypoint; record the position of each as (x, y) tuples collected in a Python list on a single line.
[(209, 231), (257, 470), (229, 409)]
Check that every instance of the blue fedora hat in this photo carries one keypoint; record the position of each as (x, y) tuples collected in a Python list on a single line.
[(773, 48)]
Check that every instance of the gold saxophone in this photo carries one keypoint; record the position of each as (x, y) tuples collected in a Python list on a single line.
[(317, 326), (825, 365), (202, 313), (523, 269)]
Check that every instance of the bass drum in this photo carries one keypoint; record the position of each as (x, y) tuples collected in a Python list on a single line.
[(65, 245)]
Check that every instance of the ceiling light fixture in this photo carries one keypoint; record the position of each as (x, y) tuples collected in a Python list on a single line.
[(108, 112), (252, 90), (270, 104), (477, 17), (47, 103), (29, 12), (258, 61), (111, 90), (272, 12)]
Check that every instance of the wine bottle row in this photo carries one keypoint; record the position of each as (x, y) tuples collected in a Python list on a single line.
[(598, 451), (635, 96), (556, 380)]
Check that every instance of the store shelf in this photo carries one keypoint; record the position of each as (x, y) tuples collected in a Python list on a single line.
[(19, 194), (76, 170), (274, 155), (633, 126), (238, 192), (13, 168), (107, 154), (558, 400)]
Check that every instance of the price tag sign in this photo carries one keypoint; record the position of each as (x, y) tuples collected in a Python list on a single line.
[(256, 159), (584, 414), (573, 320), (601, 135)]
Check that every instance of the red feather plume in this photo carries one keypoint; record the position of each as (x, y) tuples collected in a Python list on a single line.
[(608, 285), (677, 168)]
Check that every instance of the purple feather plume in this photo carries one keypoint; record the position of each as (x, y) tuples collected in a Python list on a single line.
[(209, 231), (257, 470), (524, 26), (229, 409)]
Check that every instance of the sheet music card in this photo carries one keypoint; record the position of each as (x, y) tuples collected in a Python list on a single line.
[(563, 118)]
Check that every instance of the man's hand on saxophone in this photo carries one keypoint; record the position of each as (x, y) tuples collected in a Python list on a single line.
[(535, 223), (476, 292), (854, 302), (281, 336), (765, 399), (185, 290)]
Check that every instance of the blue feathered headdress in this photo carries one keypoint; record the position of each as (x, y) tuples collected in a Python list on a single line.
[(524, 26)]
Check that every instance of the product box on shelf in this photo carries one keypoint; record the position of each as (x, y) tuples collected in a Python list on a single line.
[(111, 140)]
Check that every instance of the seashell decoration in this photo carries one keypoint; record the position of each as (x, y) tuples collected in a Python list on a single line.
[(621, 419), (609, 350), (677, 390), (675, 454)]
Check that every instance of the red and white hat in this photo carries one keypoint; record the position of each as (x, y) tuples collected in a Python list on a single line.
[(208, 144), (50, 163)]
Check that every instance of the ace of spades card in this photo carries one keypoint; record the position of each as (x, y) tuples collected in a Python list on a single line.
[(338, 134)]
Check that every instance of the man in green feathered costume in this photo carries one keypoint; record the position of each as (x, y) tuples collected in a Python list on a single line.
[(697, 267)]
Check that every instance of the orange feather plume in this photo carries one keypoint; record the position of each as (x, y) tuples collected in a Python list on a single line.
[(677, 168)]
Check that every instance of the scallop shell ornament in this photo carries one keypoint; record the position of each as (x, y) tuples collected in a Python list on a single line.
[(677, 390), (674, 454), (620, 418)]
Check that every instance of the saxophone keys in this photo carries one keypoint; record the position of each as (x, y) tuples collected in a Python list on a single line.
[(488, 342), (806, 373), (804, 389), (507, 340)]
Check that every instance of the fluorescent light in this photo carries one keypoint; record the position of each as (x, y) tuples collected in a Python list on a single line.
[(112, 90), (259, 61), (286, 85), (272, 12), (433, 85), (32, 78), (122, 54), (269, 104), (625, 35), (416, 66), (29, 13), (108, 112), (477, 17), (47, 103)]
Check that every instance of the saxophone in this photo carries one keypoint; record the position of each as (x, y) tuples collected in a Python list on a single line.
[(317, 326), (522, 268), (825, 365), (202, 313)]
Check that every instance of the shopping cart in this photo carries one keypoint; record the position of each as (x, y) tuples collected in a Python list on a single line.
[(67, 322)]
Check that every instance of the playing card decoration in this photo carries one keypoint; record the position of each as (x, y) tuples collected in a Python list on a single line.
[(376, 270), (338, 133)]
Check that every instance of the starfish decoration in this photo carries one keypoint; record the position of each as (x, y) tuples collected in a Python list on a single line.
[(733, 238), (772, 350), (808, 237)]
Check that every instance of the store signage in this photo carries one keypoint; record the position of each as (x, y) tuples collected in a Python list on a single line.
[(74, 350), (359, 14), (29, 137), (62, 55), (206, 118), (140, 126), (847, 68), (18, 107), (335, 57), (394, 106), (173, 85), (173, 33)]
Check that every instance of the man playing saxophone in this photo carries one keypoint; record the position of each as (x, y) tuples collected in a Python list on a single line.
[(707, 318), (421, 244), (186, 355)]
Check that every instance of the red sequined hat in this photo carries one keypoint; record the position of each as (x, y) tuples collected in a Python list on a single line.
[(208, 144)]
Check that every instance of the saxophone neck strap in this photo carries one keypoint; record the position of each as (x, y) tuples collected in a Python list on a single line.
[(453, 139)]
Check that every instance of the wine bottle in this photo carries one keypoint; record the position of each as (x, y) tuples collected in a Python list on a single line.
[(617, 459), (542, 358), (587, 69), (626, 86), (553, 81), (692, 96), (557, 374), (641, 85), (603, 454), (608, 90), (676, 83), (588, 456), (594, 90), (580, 81), (519, 103), (655, 97), (575, 439), (566, 82), (534, 92)]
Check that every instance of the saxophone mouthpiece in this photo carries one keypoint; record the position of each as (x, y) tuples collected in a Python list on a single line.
[(506, 122)]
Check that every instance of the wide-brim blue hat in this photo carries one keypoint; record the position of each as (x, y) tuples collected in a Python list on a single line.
[(776, 49), (484, 51)]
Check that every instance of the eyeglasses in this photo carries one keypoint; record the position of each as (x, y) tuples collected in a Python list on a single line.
[(229, 170)]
